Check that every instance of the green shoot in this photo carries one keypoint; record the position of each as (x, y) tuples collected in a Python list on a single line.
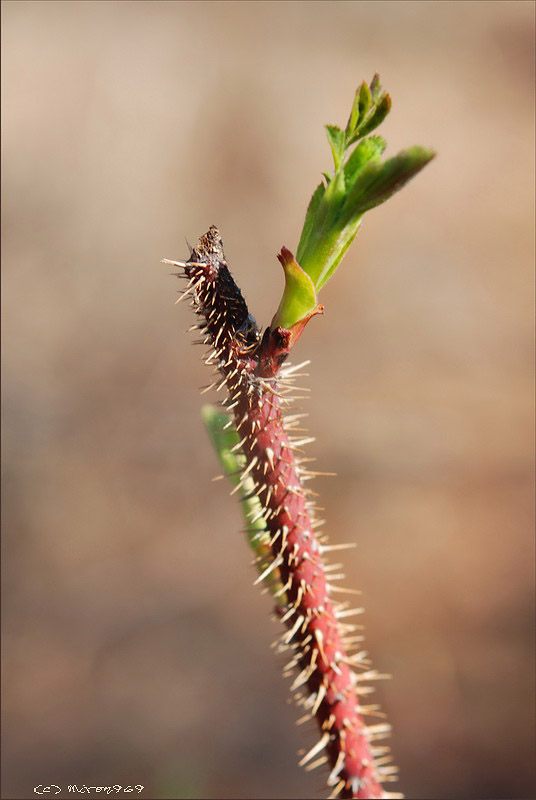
[(360, 181)]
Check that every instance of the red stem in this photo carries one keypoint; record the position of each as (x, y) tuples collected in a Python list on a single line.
[(329, 689)]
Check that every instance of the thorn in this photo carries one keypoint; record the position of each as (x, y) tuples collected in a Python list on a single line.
[(245, 474), (302, 678), (294, 418), (182, 264), (290, 613), (288, 370), (356, 785), (329, 547), (299, 597), (275, 563), (337, 790), (301, 442), (291, 664), (282, 590), (239, 444), (381, 729), (206, 389), (379, 751), (290, 635), (372, 710), (340, 589), (389, 770), (305, 674), (312, 473), (358, 658), (349, 612), (329, 723), (331, 567), (188, 291), (270, 456), (317, 763), (316, 749), (321, 693), (285, 532), (372, 675), (345, 628), (334, 774), (319, 636)]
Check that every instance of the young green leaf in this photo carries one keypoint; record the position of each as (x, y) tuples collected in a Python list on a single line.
[(375, 88), (337, 143), (365, 99), (326, 227), (377, 115), (331, 203), (378, 181), (338, 250), (367, 150), (310, 217), (353, 119)]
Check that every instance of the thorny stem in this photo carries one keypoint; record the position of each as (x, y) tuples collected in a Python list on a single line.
[(330, 683)]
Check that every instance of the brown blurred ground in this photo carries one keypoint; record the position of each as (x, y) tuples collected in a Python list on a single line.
[(135, 648)]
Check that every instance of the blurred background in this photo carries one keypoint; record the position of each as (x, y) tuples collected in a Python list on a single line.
[(136, 649)]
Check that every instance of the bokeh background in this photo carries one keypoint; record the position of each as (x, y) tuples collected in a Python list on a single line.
[(136, 650)]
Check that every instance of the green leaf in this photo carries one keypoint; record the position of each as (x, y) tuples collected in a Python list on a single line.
[(377, 116), (309, 222), (326, 228), (361, 104), (337, 143), (338, 253), (365, 100), (378, 181), (375, 88), (353, 119), (331, 202), (367, 150)]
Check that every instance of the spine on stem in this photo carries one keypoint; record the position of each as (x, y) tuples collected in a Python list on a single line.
[(331, 682)]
